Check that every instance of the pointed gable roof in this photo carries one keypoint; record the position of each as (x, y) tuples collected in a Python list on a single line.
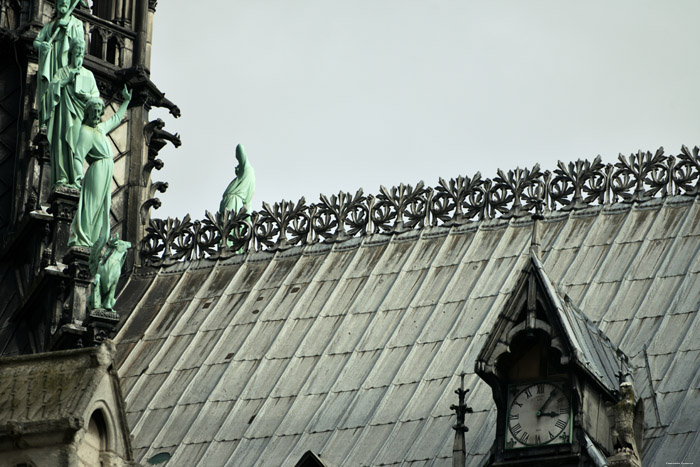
[(309, 459), (57, 393), (580, 339)]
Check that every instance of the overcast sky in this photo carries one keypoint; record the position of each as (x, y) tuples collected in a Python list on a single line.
[(330, 95)]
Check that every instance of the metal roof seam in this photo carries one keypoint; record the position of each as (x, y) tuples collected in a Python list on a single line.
[(190, 309), (632, 218), (448, 389), (674, 296), (454, 323), (133, 355), (673, 417), (591, 231), (357, 254), (268, 271), (570, 317), (395, 329), (606, 367)]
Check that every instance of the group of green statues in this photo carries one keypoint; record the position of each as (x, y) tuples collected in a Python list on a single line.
[(70, 111)]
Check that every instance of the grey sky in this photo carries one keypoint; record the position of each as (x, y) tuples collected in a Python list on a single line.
[(330, 95)]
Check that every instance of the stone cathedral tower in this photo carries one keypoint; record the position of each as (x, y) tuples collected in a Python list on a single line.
[(42, 284)]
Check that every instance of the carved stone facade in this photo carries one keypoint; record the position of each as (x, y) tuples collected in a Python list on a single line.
[(64, 426), (44, 292)]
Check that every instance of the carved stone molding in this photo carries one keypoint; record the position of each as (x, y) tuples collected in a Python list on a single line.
[(577, 185)]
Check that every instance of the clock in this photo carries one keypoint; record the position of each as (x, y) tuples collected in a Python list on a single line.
[(539, 414)]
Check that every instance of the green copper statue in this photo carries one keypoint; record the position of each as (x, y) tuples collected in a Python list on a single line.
[(53, 44), (70, 90), (106, 267), (240, 191), (91, 221)]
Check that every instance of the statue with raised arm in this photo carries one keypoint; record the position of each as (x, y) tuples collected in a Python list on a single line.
[(240, 191), (69, 92), (91, 221), (53, 44)]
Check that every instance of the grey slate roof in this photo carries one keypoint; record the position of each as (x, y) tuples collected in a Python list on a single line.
[(352, 350), (593, 350), (590, 349)]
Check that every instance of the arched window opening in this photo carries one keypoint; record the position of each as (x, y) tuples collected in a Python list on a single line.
[(113, 51), (117, 11), (96, 43), (103, 9), (94, 442)]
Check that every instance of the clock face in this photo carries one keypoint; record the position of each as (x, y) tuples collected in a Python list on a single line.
[(538, 414)]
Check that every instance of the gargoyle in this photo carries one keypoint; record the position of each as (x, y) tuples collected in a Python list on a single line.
[(146, 92), (156, 137), (154, 203)]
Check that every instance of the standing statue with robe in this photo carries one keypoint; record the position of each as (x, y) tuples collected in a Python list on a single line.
[(91, 221), (240, 191), (69, 92), (53, 44)]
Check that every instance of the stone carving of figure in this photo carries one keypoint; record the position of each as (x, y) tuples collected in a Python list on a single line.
[(627, 430), (70, 90), (53, 44), (91, 221), (240, 191)]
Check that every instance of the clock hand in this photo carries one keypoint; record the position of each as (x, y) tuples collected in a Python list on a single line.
[(539, 412)]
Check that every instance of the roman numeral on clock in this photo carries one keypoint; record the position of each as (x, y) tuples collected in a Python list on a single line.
[(517, 428), (561, 424), (525, 437), (538, 440)]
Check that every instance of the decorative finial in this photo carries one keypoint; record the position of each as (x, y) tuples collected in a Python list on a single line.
[(536, 217), (622, 374), (459, 452)]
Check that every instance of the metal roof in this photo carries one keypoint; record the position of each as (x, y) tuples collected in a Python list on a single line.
[(352, 350)]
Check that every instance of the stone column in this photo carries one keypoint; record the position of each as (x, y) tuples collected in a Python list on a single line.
[(63, 203)]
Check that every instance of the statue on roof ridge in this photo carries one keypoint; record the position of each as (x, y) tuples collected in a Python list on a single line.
[(240, 191)]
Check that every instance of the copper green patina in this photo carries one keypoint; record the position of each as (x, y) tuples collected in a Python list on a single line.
[(53, 44), (106, 267), (91, 221), (69, 92), (240, 191), (63, 89)]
